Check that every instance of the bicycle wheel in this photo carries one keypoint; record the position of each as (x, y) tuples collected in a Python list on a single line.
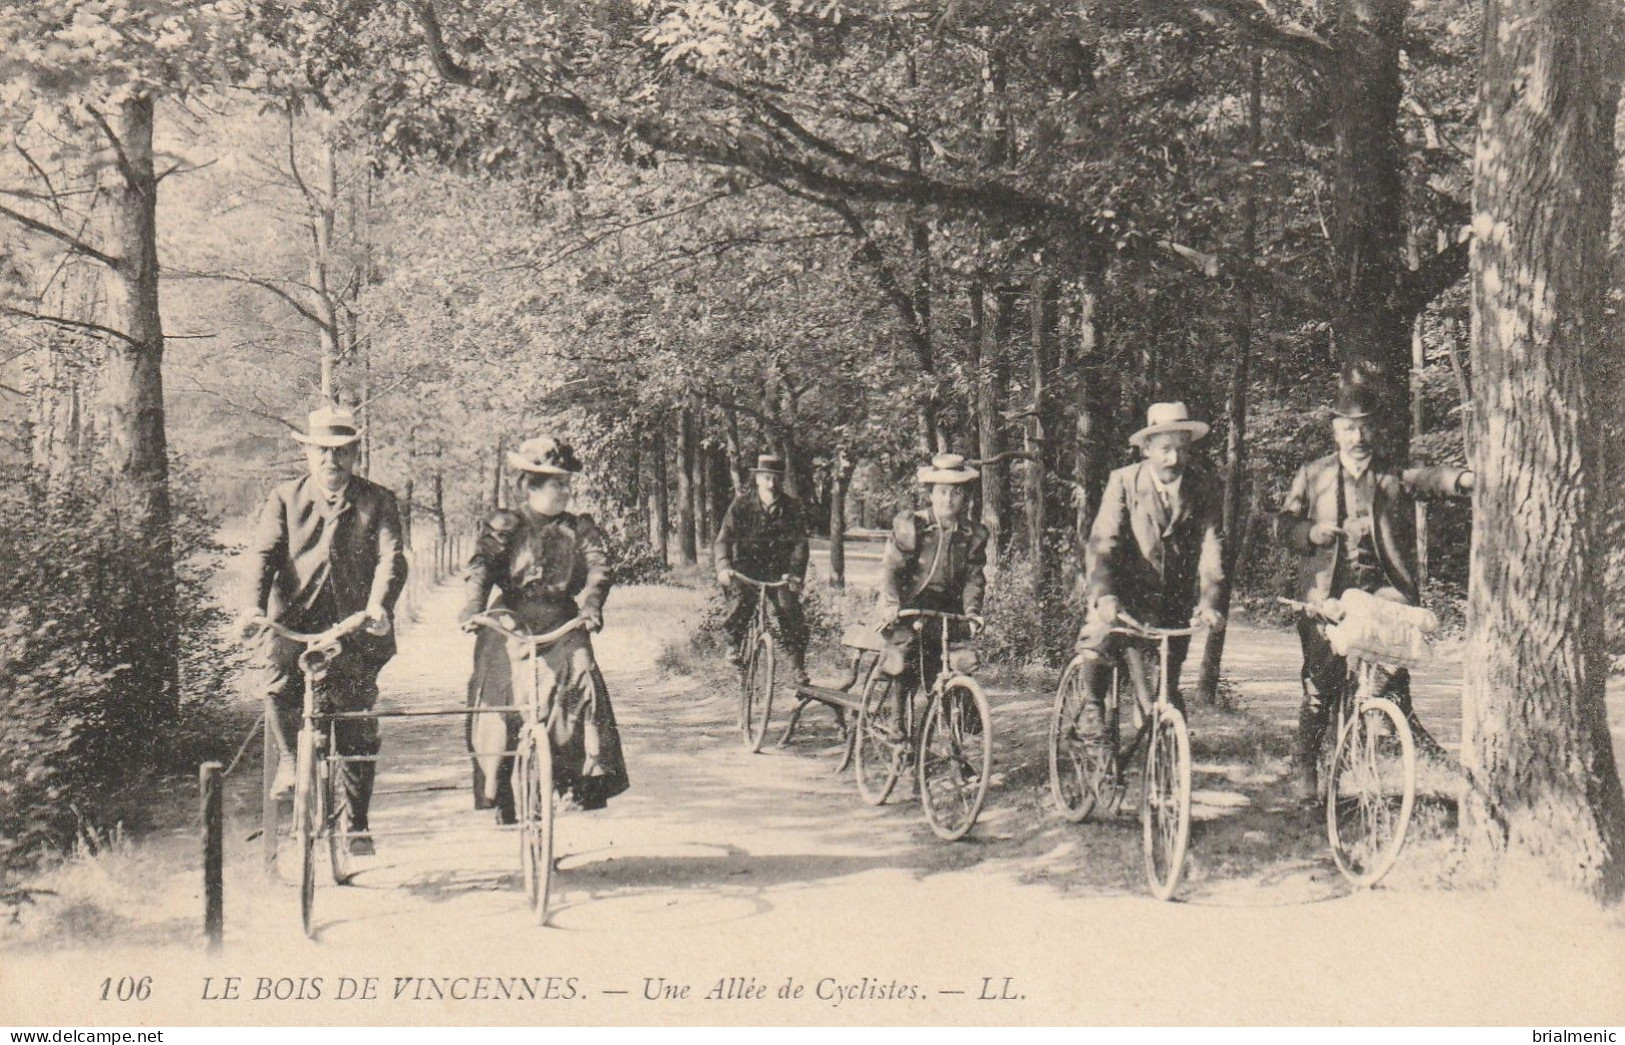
[(1075, 764), (882, 738), (1165, 807), (756, 692), (335, 818), (306, 822), (533, 791), (1371, 791), (956, 759)]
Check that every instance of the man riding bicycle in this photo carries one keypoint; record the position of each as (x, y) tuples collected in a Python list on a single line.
[(326, 546), (1155, 552), (1351, 519), (763, 537), (934, 560)]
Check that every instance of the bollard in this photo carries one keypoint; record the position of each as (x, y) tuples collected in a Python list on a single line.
[(214, 888)]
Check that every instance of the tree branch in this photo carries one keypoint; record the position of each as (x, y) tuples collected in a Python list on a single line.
[(74, 243), (263, 284), (1257, 21), (72, 324), (125, 167), (265, 414)]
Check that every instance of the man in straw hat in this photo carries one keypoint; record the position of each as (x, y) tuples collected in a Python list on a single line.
[(1154, 553), (328, 545), (763, 536), (934, 559), (1351, 519)]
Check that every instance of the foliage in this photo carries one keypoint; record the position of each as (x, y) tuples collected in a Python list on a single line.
[(74, 750)]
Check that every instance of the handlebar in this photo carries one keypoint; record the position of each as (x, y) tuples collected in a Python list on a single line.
[(504, 626), (1312, 609), (1127, 625), (781, 583), (343, 629)]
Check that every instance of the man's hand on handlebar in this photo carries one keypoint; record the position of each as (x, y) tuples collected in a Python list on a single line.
[(378, 623), (1323, 535), (792, 583), (250, 625), (1206, 617), (725, 577), (593, 620), (977, 625), (1106, 609)]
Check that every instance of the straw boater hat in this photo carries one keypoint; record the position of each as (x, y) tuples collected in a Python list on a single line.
[(544, 455), (1168, 417), (330, 426), (1353, 404), (773, 464), (947, 468)]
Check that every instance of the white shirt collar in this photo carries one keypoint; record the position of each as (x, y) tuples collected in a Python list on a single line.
[(1356, 469), (1167, 489)]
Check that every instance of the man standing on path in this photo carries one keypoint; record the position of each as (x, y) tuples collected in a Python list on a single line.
[(1351, 519), (328, 545), (1155, 552), (763, 537)]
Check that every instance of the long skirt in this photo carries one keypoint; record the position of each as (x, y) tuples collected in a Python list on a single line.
[(587, 759)]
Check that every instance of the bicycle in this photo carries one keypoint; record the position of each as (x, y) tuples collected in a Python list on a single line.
[(320, 803), (1370, 780), (951, 749), (533, 756), (1089, 773), (756, 673)]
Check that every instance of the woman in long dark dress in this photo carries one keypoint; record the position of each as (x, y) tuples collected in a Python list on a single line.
[(540, 559)]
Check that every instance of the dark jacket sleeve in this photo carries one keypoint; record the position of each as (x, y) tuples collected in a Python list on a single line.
[(1210, 565), (389, 576), (1105, 538), (489, 561), (722, 548), (267, 551), (590, 545), (901, 545), (1292, 521), (976, 575), (798, 547)]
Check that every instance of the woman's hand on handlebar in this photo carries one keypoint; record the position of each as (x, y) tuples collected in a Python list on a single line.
[(592, 620)]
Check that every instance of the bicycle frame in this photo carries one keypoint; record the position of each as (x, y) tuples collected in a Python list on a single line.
[(759, 621), (946, 675), (538, 708), (1144, 633)]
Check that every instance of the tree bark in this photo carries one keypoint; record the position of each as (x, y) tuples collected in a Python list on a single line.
[(687, 549), (1543, 791), (136, 447), (1235, 407), (989, 335), (659, 510)]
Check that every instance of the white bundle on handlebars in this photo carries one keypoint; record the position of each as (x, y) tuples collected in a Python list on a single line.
[(1374, 628)]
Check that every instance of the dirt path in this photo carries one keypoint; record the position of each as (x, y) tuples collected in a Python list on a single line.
[(721, 864)]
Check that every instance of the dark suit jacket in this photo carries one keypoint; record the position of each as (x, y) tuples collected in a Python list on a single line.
[(313, 566), (911, 548), (1312, 500), (1159, 568), (763, 544)]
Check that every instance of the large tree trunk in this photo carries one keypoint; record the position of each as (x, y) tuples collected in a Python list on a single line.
[(1235, 407), (840, 477), (136, 448), (1544, 792), (659, 513), (687, 549), (989, 335)]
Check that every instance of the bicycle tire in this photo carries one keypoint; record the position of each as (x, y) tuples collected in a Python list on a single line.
[(306, 823), (1073, 775), (956, 758), (336, 818), (1371, 792), (533, 788), (880, 747), (1165, 805), (756, 691)]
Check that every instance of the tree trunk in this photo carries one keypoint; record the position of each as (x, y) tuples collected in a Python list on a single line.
[(736, 460), (988, 337), (1544, 792), (659, 512), (496, 475), (840, 476), (1034, 440), (136, 447), (1235, 406), (437, 495), (687, 549)]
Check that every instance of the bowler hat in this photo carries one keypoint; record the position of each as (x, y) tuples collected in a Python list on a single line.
[(947, 468), (545, 455), (330, 426), (1353, 403), (1168, 417), (770, 463)]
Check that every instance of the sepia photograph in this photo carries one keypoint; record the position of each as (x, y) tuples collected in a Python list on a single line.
[(922, 513)]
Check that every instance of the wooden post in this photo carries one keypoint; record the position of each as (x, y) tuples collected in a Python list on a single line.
[(268, 800), (214, 907)]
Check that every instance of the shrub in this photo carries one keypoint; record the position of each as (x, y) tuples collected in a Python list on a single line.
[(75, 750)]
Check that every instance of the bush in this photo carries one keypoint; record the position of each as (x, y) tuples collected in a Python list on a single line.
[(1024, 630), (75, 748)]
